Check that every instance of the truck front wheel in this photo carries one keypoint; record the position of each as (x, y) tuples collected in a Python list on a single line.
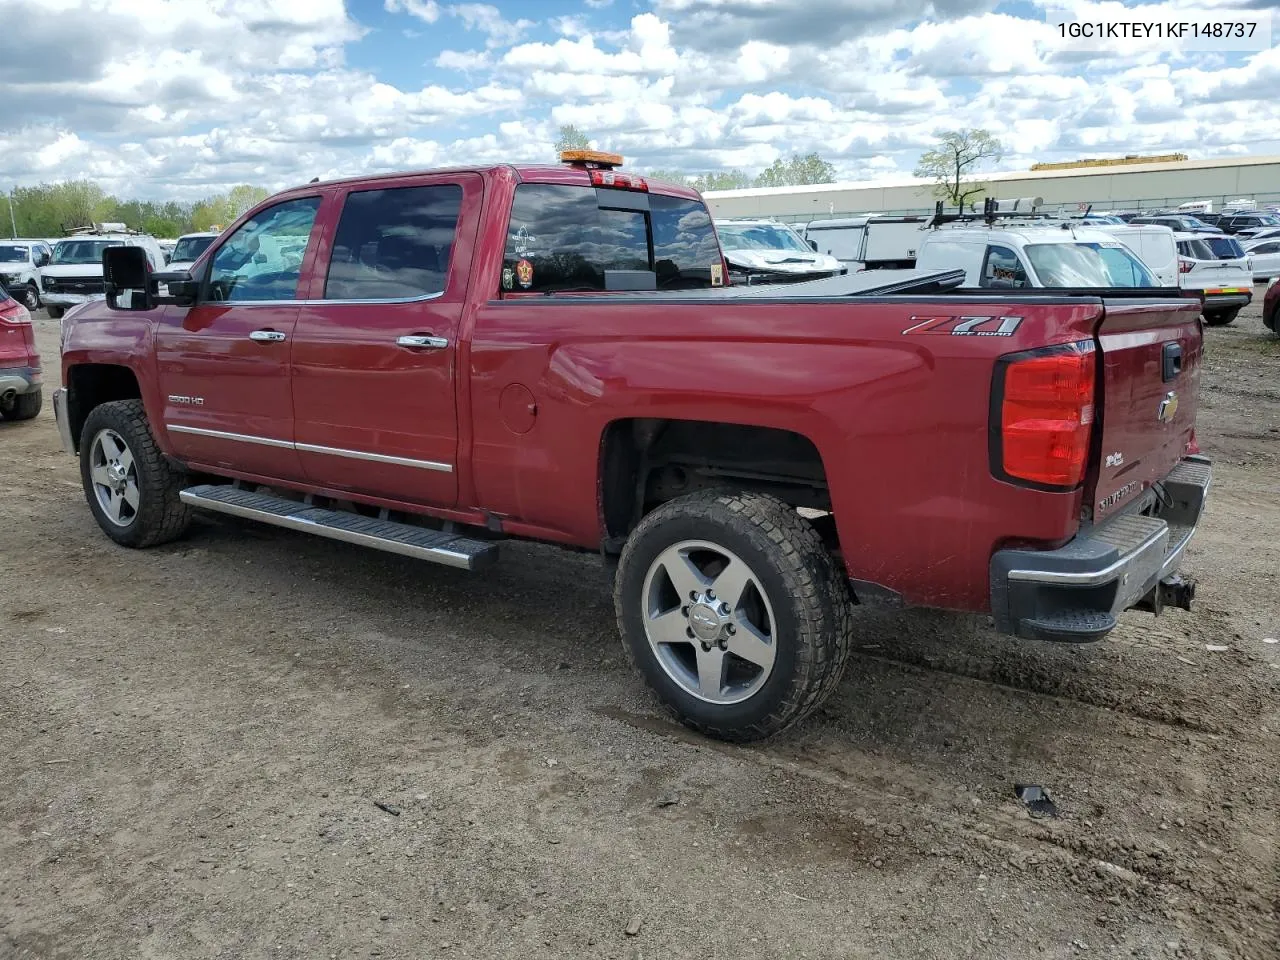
[(734, 612), (131, 488)]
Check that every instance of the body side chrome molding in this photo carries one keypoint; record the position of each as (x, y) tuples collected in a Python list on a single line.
[(375, 457), (313, 448), (224, 435)]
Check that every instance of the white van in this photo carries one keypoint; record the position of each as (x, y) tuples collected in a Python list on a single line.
[(868, 242), (74, 275), (1224, 279), (1034, 255), (1154, 246)]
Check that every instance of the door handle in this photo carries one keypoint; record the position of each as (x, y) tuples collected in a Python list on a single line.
[(267, 336), (1172, 361), (422, 341)]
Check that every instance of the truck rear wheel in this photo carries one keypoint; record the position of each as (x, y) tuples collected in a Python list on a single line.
[(1221, 319), (734, 612), (55, 313), (131, 488)]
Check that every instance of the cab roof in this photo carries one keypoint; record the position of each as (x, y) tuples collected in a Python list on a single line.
[(563, 173)]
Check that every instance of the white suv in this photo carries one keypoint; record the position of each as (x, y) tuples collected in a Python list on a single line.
[(20, 264), (1211, 265), (74, 275)]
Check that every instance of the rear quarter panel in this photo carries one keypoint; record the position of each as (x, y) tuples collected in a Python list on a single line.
[(899, 418)]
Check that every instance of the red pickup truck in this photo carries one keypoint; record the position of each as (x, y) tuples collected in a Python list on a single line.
[(428, 363)]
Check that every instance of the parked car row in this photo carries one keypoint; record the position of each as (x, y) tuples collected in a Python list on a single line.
[(58, 274), (1012, 250)]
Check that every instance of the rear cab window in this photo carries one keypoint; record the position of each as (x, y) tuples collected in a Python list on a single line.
[(567, 237)]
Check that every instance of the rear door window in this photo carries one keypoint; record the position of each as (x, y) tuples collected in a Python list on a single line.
[(1002, 268), (564, 237), (394, 244)]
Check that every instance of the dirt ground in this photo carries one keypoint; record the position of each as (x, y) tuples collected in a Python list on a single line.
[(196, 739)]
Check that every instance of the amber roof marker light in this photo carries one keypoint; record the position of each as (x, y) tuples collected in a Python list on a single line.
[(592, 158)]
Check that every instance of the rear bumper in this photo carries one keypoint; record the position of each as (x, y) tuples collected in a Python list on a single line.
[(63, 420), (1227, 301), (1076, 593), (19, 379)]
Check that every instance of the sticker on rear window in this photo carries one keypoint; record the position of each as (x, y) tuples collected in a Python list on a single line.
[(524, 273)]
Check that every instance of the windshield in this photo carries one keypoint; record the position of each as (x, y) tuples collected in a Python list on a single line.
[(189, 248), (82, 251), (759, 236), (1224, 248), (12, 254), (1195, 223), (1086, 264)]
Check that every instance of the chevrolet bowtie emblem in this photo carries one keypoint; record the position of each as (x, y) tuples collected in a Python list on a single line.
[(1168, 407)]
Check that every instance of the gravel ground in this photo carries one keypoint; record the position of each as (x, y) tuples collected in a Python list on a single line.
[(253, 743)]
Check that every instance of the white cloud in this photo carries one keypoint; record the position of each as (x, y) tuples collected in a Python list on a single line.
[(213, 92), (464, 60), (489, 20), (428, 11)]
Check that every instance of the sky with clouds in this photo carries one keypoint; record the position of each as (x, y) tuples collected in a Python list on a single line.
[(181, 98)]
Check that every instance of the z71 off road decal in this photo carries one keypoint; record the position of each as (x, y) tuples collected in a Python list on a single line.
[(964, 326)]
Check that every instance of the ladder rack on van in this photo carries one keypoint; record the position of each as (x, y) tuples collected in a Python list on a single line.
[(991, 212)]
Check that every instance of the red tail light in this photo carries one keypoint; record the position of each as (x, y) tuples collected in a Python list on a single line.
[(1046, 409), (1184, 266), (15, 314), (622, 181)]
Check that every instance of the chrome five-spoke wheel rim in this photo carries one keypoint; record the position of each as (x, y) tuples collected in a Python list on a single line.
[(709, 622), (114, 476)]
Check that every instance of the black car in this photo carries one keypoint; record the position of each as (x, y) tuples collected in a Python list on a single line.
[(1247, 224), (1181, 222)]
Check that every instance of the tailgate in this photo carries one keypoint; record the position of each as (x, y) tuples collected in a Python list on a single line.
[(1150, 382)]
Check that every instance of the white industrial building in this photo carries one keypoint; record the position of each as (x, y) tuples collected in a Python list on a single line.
[(1126, 187)]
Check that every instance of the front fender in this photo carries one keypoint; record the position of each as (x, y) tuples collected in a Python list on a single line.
[(93, 334)]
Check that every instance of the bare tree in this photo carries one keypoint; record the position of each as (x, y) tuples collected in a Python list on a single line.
[(952, 163)]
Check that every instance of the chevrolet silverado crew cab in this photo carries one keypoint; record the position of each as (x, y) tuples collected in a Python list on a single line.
[(428, 363)]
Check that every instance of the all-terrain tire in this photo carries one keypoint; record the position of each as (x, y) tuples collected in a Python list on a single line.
[(811, 603), (25, 406), (31, 299), (160, 516), (1221, 319), (55, 313)]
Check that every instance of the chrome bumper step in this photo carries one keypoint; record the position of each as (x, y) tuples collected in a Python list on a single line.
[(400, 538)]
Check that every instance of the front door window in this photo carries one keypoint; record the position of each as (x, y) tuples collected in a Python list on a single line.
[(262, 260)]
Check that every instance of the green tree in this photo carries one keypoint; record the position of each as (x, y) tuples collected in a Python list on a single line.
[(722, 180), (242, 197), (571, 138), (952, 163), (670, 176), (809, 168)]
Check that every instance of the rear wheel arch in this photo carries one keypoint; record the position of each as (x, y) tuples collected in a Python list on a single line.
[(645, 462)]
